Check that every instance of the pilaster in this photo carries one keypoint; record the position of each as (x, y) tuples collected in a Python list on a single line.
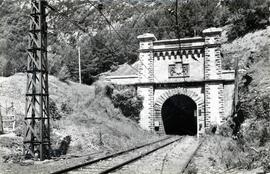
[(214, 97), (146, 57), (147, 114)]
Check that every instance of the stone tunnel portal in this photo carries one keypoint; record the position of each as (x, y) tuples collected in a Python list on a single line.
[(179, 115)]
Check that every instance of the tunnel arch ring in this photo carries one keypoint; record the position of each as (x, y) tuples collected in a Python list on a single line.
[(178, 91)]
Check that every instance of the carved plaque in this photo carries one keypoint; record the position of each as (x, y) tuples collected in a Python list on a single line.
[(178, 70)]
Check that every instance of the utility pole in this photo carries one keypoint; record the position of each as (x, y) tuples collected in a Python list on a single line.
[(177, 24), (178, 29), (1, 122), (176, 16), (36, 143), (80, 71), (236, 67)]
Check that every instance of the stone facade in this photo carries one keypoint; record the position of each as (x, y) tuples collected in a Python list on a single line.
[(189, 66)]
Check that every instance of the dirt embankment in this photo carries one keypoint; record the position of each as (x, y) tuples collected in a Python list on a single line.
[(82, 112)]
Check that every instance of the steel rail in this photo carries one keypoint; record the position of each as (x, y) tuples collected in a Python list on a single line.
[(191, 157), (106, 157), (119, 166)]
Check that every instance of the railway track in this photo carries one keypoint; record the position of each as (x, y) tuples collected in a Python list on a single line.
[(173, 159), (168, 155), (183, 170), (116, 161)]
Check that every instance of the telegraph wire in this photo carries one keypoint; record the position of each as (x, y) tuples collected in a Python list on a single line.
[(155, 27), (142, 15), (99, 8), (113, 52), (73, 22), (123, 40)]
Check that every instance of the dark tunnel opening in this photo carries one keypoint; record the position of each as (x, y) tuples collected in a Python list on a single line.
[(178, 115)]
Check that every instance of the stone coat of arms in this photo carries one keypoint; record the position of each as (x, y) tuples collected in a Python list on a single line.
[(178, 70)]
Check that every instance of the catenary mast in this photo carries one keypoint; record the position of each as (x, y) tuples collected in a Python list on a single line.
[(36, 142)]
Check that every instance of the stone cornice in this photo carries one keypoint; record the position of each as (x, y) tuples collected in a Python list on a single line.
[(182, 41), (187, 82)]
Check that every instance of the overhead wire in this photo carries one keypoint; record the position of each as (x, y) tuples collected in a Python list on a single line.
[(123, 40), (114, 29), (155, 27), (142, 15), (118, 36)]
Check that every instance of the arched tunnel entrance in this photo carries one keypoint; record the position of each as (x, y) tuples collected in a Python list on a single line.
[(179, 115)]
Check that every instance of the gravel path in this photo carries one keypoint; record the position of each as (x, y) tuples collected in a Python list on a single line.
[(168, 160)]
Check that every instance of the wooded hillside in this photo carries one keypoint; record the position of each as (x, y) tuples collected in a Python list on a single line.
[(106, 32)]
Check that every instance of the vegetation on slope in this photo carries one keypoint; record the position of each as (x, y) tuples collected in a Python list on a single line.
[(126, 99), (85, 114), (243, 142), (105, 45), (108, 39)]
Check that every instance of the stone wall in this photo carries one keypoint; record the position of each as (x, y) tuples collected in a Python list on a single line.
[(161, 64), (214, 97), (146, 115), (195, 93), (228, 99), (190, 66), (146, 59)]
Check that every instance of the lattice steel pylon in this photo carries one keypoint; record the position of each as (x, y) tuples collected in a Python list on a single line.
[(37, 122)]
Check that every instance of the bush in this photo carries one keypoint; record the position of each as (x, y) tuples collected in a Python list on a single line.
[(254, 132), (64, 74), (192, 170), (126, 99), (256, 107), (211, 129), (63, 147), (54, 113), (19, 128), (66, 108), (226, 129)]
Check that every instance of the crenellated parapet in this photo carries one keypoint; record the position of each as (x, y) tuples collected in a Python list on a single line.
[(190, 67)]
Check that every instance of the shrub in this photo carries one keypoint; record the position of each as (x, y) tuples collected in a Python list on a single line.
[(265, 135), (63, 147), (54, 113), (66, 108), (192, 170), (254, 132), (211, 129), (127, 100), (256, 107), (19, 128), (64, 74), (226, 129), (102, 88)]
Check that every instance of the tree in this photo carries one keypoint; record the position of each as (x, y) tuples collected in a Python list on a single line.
[(1, 123), (248, 16), (64, 74), (8, 69)]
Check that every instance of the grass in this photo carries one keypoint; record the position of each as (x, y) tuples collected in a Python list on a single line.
[(242, 48), (100, 118), (249, 152), (91, 120)]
